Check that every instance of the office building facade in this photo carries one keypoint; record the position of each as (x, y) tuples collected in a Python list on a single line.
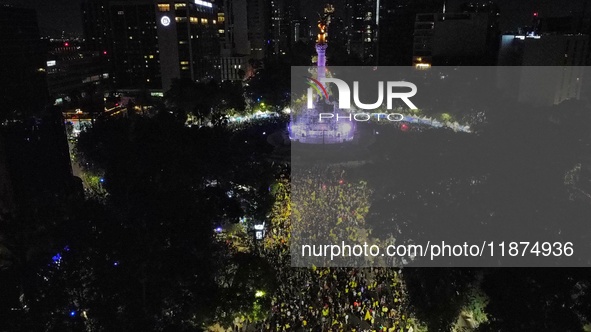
[(188, 40), (465, 38), (74, 74), (135, 47), (361, 28), (396, 25), (150, 43)]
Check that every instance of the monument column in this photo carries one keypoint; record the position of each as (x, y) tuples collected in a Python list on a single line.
[(321, 42), (321, 64)]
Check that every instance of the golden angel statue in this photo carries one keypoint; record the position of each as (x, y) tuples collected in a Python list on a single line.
[(323, 23)]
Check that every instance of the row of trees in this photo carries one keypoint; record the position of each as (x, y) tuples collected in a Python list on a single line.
[(140, 254)]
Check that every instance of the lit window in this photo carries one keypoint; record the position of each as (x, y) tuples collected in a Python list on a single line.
[(422, 65), (179, 5), (203, 3), (194, 20), (163, 7), (120, 12), (184, 68), (184, 62), (203, 21)]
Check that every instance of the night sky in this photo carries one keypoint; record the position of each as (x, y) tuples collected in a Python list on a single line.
[(64, 15), (54, 15), (514, 13)]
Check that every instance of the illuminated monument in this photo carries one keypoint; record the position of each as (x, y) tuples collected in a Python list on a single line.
[(305, 126), (321, 42)]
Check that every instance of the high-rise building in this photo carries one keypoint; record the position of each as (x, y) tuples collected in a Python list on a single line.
[(300, 30), (150, 43), (296, 27), (563, 24), (221, 21), (75, 75), (188, 40), (553, 49), (258, 14), (236, 41), (126, 32), (361, 28), (338, 32), (231, 68), (235, 46), (266, 27), (284, 16), (552, 60), (396, 25), (97, 25), (279, 36), (23, 87), (134, 44), (462, 38)]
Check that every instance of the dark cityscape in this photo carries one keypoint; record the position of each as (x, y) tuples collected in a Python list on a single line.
[(186, 165)]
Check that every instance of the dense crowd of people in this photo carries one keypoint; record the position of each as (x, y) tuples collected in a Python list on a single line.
[(328, 207), (328, 298), (338, 299)]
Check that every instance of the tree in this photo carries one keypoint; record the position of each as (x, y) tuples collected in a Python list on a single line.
[(437, 296), (168, 186), (205, 101), (271, 85)]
